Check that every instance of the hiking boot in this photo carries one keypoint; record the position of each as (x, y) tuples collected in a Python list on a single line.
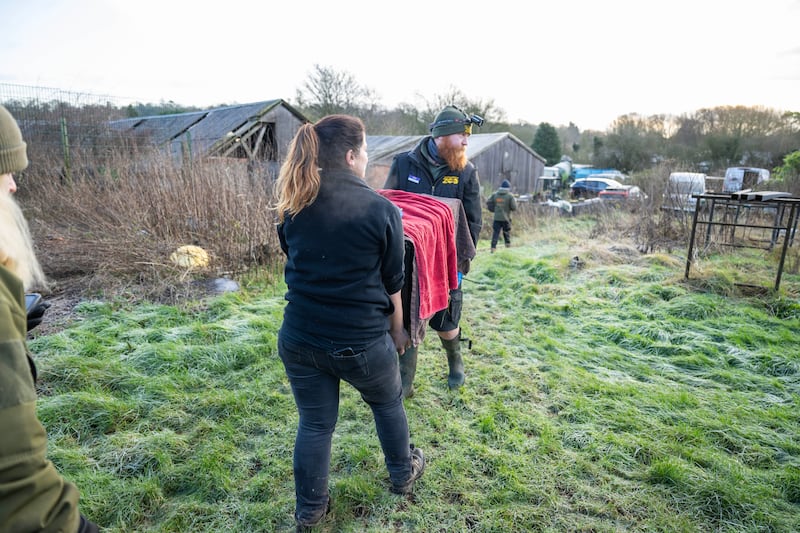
[(417, 468), (303, 528)]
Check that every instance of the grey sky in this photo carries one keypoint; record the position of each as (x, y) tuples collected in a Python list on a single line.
[(581, 61)]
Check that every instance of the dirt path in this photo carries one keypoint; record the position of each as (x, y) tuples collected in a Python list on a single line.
[(65, 295)]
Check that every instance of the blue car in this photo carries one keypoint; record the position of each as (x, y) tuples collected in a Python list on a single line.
[(591, 187)]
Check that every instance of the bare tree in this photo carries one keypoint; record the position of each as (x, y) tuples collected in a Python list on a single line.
[(454, 96), (739, 134), (632, 141), (328, 91)]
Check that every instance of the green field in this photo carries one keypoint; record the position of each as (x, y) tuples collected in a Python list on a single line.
[(607, 394)]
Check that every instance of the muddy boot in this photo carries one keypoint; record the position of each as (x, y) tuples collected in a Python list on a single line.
[(408, 368), (417, 468), (455, 378)]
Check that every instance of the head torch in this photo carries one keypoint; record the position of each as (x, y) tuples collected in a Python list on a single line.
[(466, 120), (477, 120)]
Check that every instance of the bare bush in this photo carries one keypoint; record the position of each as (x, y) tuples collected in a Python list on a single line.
[(656, 224), (525, 219)]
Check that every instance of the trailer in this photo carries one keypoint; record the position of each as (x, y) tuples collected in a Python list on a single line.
[(743, 178)]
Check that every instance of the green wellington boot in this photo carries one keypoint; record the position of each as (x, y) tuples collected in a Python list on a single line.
[(408, 368), (453, 347)]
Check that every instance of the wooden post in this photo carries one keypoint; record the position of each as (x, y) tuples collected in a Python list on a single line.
[(65, 148)]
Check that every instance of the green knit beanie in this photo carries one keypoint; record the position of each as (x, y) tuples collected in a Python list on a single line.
[(13, 157), (451, 120)]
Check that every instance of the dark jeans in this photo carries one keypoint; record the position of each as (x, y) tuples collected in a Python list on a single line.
[(498, 225), (315, 375)]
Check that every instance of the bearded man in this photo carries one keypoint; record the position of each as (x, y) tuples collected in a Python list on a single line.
[(438, 166)]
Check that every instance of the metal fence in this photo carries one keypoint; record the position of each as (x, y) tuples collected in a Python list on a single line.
[(745, 220), (63, 129)]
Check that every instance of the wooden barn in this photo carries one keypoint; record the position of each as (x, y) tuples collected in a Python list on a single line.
[(498, 156), (257, 134)]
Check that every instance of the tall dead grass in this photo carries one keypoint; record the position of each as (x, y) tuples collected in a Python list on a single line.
[(115, 225), (656, 225)]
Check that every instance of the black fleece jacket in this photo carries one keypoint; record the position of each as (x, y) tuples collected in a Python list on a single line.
[(344, 258)]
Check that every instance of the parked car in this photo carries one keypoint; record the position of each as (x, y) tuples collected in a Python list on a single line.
[(590, 187), (588, 171), (627, 192), (611, 174)]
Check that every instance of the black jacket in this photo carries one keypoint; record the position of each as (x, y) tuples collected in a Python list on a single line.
[(418, 171), (344, 258)]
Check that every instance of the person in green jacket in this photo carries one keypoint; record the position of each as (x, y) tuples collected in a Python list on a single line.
[(14, 159), (501, 203), (33, 495)]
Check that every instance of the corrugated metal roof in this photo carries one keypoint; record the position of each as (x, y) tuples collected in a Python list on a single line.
[(381, 147), (205, 128), (223, 123), (384, 146), (161, 129), (483, 141)]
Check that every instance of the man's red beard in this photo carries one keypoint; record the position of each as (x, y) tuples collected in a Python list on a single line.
[(454, 156)]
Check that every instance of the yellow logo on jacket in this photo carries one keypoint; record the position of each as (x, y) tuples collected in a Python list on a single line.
[(450, 180)]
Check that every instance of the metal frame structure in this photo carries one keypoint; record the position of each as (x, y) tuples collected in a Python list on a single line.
[(735, 211)]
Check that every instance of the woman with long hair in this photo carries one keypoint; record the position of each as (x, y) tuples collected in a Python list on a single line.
[(343, 318)]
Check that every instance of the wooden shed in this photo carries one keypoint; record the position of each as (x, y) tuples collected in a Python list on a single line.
[(498, 157), (258, 133)]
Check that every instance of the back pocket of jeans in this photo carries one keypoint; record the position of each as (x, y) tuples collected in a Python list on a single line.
[(348, 360)]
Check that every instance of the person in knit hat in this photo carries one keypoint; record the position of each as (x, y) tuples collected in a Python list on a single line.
[(33, 495), (501, 203), (14, 158), (13, 154), (438, 166)]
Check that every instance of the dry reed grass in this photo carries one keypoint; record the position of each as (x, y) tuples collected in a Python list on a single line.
[(114, 226)]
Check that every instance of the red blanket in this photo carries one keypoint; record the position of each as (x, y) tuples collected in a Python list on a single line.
[(430, 225)]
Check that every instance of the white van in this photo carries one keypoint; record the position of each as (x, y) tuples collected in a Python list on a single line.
[(680, 188), (740, 178)]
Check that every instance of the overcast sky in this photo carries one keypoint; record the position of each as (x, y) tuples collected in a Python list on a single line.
[(580, 61)]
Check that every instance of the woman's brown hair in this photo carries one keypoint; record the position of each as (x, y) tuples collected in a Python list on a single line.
[(316, 148)]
